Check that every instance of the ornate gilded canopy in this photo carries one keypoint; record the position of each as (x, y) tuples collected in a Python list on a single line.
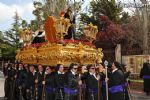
[(53, 52)]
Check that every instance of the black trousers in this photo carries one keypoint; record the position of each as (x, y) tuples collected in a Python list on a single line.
[(116, 96), (92, 96), (71, 97), (49, 96), (59, 94), (7, 88)]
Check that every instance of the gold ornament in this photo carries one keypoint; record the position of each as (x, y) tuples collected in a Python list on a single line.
[(54, 53), (90, 32), (26, 35)]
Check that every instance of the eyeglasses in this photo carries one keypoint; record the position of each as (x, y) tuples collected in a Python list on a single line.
[(47, 69), (75, 68)]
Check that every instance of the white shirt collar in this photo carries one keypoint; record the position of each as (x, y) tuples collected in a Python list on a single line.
[(93, 74), (33, 73), (73, 72), (114, 70), (60, 72), (41, 72)]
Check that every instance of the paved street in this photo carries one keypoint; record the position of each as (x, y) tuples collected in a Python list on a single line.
[(139, 95)]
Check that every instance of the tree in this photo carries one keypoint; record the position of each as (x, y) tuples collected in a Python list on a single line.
[(108, 8), (39, 15), (109, 32), (106, 14), (43, 10), (50, 8), (54, 7), (10, 38)]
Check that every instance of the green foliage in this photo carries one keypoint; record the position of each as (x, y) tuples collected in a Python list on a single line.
[(38, 13), (10, 38), (42, 11), (108, 16), (104, 7), (24, 24)]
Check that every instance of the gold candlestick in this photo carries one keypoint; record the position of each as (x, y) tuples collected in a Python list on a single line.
[(62, 26), (90, 31)]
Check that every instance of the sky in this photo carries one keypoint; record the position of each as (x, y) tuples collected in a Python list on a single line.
[(8, 9), (24, 9)]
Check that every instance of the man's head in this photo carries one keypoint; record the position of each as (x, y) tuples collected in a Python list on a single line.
[(31, 68), (91, 68), (40, 68), (48, 69), (115, 65), (20, 66), (73, 67), (83, 68), (60, 68)]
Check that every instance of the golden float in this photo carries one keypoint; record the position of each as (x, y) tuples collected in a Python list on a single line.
[(57, 50)]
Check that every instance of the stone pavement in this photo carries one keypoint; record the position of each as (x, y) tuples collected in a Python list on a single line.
[(139, 95)]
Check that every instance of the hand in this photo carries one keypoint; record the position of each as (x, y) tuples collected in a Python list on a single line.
[(98, 77), (27, 90), (84, 71), (80, 82), (43, 82), (106, 79), (15, 76), (36, 81), (104, 71)]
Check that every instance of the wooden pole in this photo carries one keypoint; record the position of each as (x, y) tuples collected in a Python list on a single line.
[(106, 66), (99, 88)]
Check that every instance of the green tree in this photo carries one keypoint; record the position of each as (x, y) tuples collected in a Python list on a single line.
[(108, 16), (107, 8), (50, 8), (38, 13), (24, 24), (10, 38)]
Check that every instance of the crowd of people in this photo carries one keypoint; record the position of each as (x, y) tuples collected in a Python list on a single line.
[(75, 82)]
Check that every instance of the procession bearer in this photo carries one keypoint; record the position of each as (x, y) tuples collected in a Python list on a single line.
[(59, 80), (72, 83), (115, 83), (92, 83)]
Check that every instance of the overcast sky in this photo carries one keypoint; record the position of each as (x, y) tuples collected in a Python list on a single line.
[(8, 7), (24, 9)]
